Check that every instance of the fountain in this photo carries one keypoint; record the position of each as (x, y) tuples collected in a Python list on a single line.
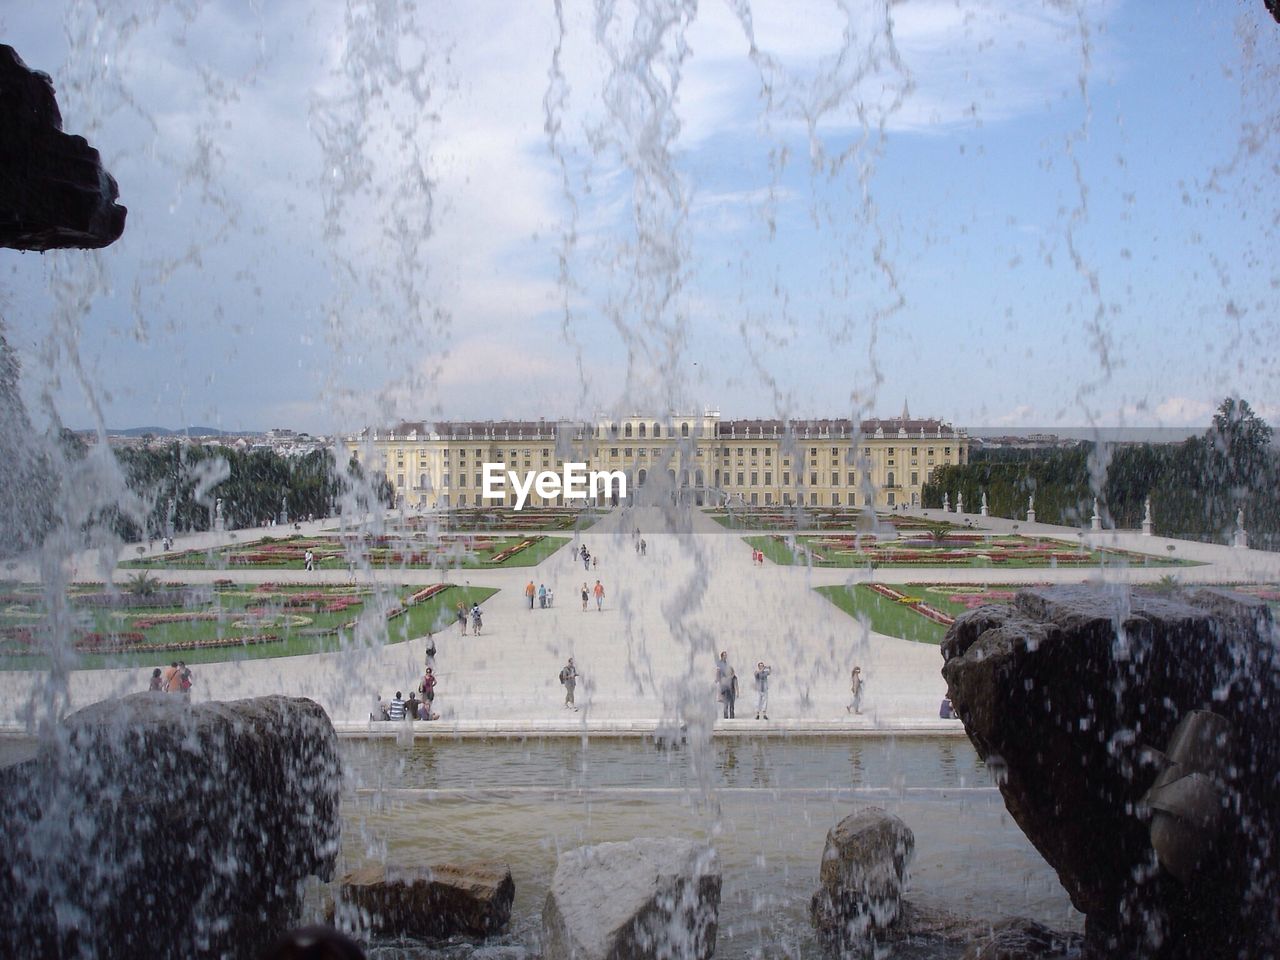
[(385, 197)]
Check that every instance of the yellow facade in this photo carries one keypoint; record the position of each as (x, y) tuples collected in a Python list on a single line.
[(698, 459)]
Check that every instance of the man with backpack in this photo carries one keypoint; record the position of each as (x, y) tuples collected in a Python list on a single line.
[(569, 677)]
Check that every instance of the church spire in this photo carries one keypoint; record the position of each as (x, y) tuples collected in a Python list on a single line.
[(906, 414)]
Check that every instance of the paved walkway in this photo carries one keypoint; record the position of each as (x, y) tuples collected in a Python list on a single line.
[(648, 658)]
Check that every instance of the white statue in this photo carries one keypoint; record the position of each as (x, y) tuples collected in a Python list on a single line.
[(1146, 519), (959, 503), (1031, 508), (984, 503), (946, 503), (1095, 522)]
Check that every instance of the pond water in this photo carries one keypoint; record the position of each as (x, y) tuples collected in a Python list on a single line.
[(765, 804)]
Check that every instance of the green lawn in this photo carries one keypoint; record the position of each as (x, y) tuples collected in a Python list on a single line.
[(884, 615), (243, 612)]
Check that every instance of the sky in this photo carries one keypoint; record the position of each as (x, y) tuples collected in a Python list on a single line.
[(1004, 212)]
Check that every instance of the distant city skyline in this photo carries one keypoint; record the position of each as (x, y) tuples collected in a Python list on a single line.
[(1014, 213)]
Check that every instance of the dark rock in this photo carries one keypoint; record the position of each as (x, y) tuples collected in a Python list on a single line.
[(151, 827), (1068, 695), (640, 900), (923, 924), (863, 866), (431, 902), (1021, 939), (54, 192)]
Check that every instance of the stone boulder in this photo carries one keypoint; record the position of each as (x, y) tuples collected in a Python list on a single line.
[(1022, 939), (1073, 694), (863, 868), (152, 827), (53, 190), (430, 902), (646, 898)]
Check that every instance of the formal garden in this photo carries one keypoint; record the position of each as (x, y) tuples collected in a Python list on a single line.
[(922, 612), (336, 552), (145, 621), (822, 518), (952, 549), (529, 519)]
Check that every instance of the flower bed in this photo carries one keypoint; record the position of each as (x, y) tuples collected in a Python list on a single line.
[(510, 552), (426, 593)]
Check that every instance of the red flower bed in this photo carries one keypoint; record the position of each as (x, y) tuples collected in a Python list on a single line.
[(145, 623), (426, 593), (109, 641), (510, 552)]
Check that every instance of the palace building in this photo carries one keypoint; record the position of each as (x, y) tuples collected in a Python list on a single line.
[(696, 458)]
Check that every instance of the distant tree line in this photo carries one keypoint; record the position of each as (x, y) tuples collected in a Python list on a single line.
[(1196, 487), (179, 486)]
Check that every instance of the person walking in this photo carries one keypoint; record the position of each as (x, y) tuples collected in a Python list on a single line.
[(157, 681), (529, 592), (542, 596), (461, 614), (586, 558), (476, 621), (643, 546), (855, 688), (569, 677), (727, 683), (585, 597), (185, 679), (762, 690), (598, 592)]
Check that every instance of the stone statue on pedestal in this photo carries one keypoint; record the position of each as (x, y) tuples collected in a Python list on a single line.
[(1095, 522), (1146, 519), (983, 509)]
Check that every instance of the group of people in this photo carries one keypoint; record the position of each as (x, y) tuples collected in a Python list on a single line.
[(545, 595), (597, 591), (414, 709), (474, 617), (588, 561), (641, 546), (727, 687), (757, 557), (175, 678)]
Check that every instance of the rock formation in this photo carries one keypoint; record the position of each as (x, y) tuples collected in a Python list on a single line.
[(54, 192), (864, 864), (151, 827), (647, 898), (1073, 695), (430, 902), (1021, 939)]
